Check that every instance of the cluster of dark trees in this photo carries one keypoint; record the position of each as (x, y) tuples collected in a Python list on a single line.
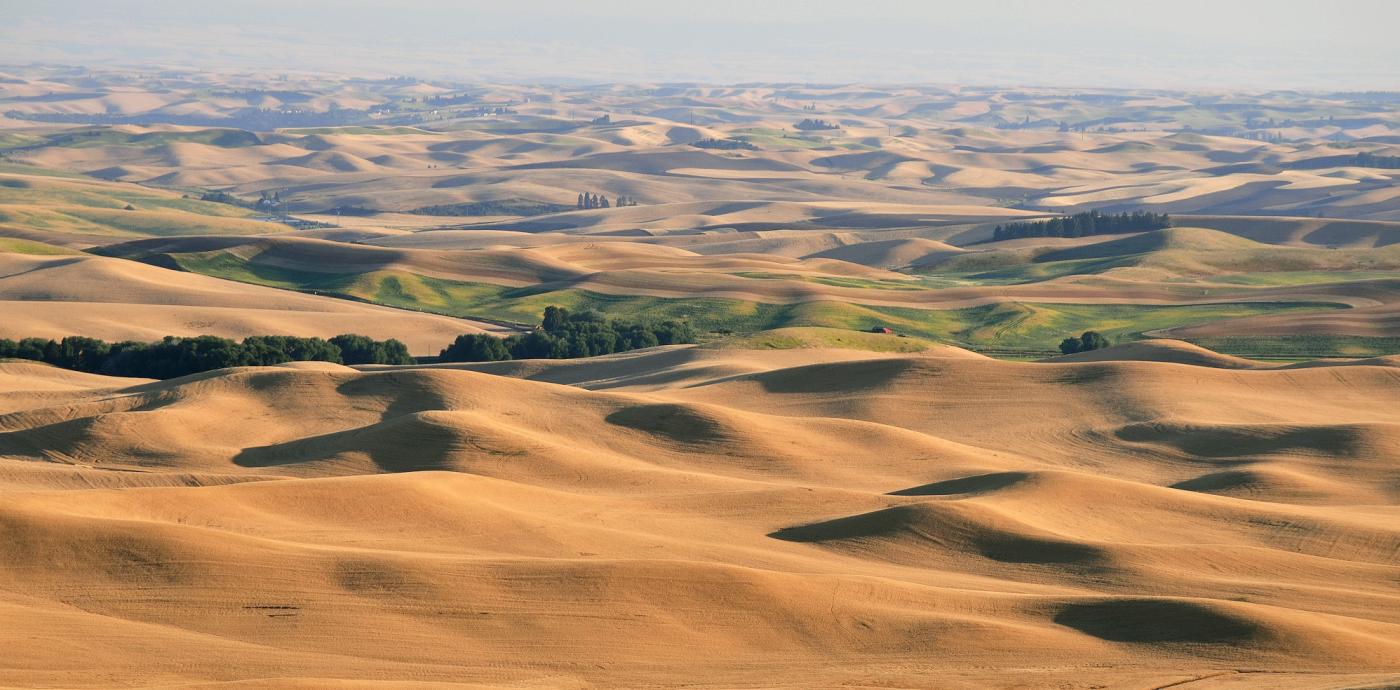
[(1084, 225), (591, 200), (604, 119), (493, 207), (562, 335), (1090, 340), (1365, 159), (808, 124), (172, 356), (724, 144)]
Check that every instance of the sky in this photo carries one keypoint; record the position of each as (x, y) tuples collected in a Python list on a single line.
[(1168, 44)]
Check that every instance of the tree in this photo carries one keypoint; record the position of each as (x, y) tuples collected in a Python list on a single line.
[(359, 349), (355, 349), (1071, 345), (475, 347), (1093, 340), (555, 319), (81, 354), (533, 345), (392, 351), (276, 349)]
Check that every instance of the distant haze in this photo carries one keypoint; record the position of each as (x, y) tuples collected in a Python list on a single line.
[(1236, 44)]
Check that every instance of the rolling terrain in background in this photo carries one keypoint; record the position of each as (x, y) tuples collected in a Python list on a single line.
[(800, 499)]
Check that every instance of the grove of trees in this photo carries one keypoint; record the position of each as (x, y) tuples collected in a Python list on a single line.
[(564, 335), (808, 124), (1084, 225)]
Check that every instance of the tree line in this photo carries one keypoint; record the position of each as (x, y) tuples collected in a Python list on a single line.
[(590, 200), (175, 356), (560, 335), (1084, 225), (565, 335), (808, 124)]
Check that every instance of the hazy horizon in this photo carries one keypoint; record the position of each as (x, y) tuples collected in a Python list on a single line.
[(1089, 44)]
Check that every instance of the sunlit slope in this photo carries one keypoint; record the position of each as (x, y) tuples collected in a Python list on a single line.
[(40, 205)]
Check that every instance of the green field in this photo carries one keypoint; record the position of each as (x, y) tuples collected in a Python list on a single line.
[(92, 207), (778, 140), (9, 140), (1301, 346), (109, 136), (20, 246), (1036, 327), (19, 191)]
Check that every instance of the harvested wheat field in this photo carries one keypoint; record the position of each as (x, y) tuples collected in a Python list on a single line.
[(706, 518)]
